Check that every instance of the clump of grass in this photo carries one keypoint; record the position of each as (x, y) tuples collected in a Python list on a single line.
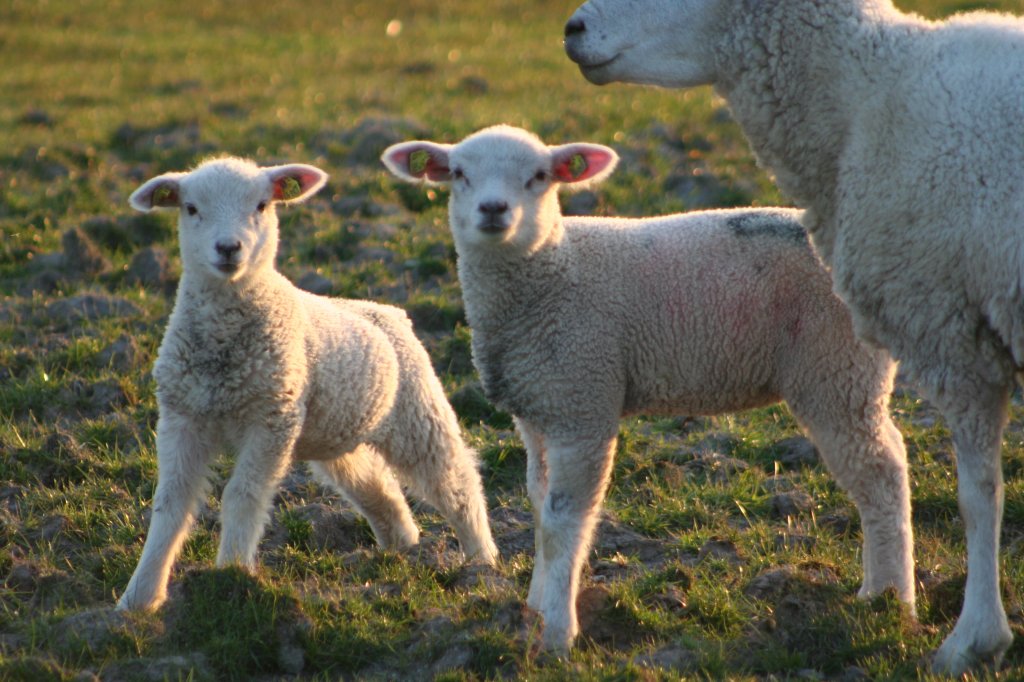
[(238, 620)]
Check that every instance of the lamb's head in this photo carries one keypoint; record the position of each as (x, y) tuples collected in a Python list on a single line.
[(504, 182), (671, 43), (227, 222)]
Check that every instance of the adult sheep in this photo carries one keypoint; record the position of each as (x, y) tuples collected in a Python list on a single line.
[(252, 364), (580, 321), (904, 140)]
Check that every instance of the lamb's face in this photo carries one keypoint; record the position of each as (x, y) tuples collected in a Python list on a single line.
[(660, 42), (227, 224), (503, 191), (504, 182)]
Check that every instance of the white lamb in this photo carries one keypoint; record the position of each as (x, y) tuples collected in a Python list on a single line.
[(579, 321), (904, 140), (255, 365)]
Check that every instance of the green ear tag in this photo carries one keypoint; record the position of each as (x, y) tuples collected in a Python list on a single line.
[(290, 189), (418, 161), (577, 166), (162, 195)]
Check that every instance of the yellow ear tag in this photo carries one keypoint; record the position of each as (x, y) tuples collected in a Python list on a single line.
[(161, 195), (290, 189), (577, 166), (418, 161)]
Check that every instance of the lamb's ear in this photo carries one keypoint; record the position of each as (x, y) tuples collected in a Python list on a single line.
[(295, 181), (163, 191), (582, 162), (416, 161)]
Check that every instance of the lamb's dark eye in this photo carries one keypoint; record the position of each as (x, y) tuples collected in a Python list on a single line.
[(261, 207), (457, 174), (539, 176), (191, 208)]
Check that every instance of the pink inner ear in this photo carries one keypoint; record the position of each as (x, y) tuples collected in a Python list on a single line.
[(293, 184), (579, 164), (432, 169)]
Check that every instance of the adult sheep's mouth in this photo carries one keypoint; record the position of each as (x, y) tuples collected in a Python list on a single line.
[(596, 72), (598, 65)]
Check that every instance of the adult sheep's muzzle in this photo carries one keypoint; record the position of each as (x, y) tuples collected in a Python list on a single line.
[(592, 65)]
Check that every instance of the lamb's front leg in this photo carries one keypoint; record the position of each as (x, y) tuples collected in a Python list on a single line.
[(263, 459), (536, 488), (578, 471), (183, 459)]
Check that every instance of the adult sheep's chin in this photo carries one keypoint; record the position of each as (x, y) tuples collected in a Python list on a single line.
[(656, 42)]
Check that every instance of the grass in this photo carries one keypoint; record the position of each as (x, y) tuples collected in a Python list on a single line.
[(99, 96)]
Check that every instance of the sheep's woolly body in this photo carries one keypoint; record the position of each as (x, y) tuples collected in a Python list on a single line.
[(904, 140), (250, 363), (579, 321), (912, 168), (697, 314)]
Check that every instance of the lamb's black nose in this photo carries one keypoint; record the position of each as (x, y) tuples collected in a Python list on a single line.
[(574, 26), (228, 250), (493, 208)]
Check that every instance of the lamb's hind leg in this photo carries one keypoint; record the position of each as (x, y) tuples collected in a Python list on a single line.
[(183, 457), (864, 450), (578, 472), (440, 469), (365, 480), (976, 415)]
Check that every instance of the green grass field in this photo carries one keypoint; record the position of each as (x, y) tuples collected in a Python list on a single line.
[(695, 573)]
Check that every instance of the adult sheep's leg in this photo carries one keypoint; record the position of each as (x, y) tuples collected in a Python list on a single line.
[(263, 459), (578, 472), (536, 488), (366, 481), (976, 415), (183, 458)]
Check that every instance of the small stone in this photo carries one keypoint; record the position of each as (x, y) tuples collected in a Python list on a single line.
[(672, 657), (150, 267), (719, 549), (457, 657), (474, 85), (796, 452), (794, 503), (91, 307), (580, 203), (373, 254), (53, 526), (37, 117), (23, 577), (94, 628), (82, 257), (789, 541), (671, 598), (46, 282), (315, 283), (122, 355)]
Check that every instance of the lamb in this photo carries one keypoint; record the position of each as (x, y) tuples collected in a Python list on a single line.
[(251, 363), (579, 321), (903, 140)]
